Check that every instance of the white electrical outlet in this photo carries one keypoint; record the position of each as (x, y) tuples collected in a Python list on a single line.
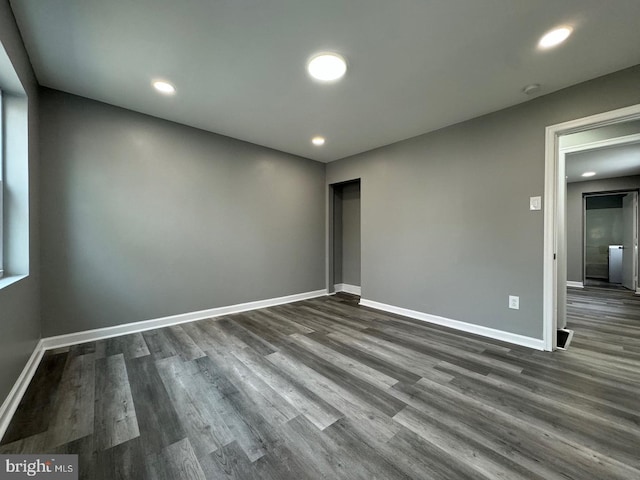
[(514, 302)]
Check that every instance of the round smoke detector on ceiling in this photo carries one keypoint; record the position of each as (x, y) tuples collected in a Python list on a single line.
[(531, 89)]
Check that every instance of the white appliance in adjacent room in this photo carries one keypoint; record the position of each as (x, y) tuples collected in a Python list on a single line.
[(615, 263)]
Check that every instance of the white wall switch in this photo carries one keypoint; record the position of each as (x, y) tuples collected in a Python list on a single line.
[(535, 203), (514, 302)]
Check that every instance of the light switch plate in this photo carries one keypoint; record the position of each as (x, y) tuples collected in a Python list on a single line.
[(535, 203), (514, 302)]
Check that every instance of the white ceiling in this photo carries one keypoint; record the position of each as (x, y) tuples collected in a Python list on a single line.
[(239, 65), (609, 162)]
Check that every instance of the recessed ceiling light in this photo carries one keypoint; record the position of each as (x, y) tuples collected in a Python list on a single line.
[(164, 87), (327, 67), (317, 141), (555, 37), (588, 174)]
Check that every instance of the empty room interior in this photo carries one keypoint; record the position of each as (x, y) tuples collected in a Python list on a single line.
[(320, 240)]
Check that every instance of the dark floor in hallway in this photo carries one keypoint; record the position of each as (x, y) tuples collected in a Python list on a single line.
[(325, 388)]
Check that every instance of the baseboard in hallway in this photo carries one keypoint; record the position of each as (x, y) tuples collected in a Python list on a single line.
[(347, 288)]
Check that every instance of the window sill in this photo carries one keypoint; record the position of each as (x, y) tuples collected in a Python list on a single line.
[(10, 280)]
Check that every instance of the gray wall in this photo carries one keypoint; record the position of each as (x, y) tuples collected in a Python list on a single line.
[(19, 302), (347, 233), (446, 226), (575, 242), (144, 218)]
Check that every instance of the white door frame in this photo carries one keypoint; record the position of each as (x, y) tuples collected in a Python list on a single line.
[(555, 205)]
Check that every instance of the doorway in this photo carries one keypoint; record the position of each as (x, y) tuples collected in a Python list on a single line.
[(555, 213), (610, 243), (345, 238)]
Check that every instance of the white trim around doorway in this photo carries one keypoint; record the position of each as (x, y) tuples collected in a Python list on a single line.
[(554, 163)]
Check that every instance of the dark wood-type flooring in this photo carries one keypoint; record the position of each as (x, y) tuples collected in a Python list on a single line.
[(325, 388)]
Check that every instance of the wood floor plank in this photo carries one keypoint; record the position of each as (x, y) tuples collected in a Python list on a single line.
[(436, 350), (280, 318), (369, 418), (232, 407), (364, 459), (87, 456), (503, 441), (366, 373), (159, 344), (175, 462), (115, 415), (398, 355), (84, 349), (315, 408), (183, 344), (32, 444), (240, 378), (617, 441), (538, 442), (231, 463), (122, 461), (380, 365), (252, 340), (465, 450), (420, 459), (72, 415), (325, 453), (158, 421), (273, 337), (217, 338), (131, 346), (197, 412), (357, 387)]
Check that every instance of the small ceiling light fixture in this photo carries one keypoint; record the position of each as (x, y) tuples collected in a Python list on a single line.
[(164, 87), (318, 141), (588, 174), (531, 89), (554, 37), (327, 67)]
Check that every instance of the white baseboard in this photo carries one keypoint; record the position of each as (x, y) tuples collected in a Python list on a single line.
[(345, 287), (10, 404), (572, 284), (12, 401), (509, 337), (127, 328)]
